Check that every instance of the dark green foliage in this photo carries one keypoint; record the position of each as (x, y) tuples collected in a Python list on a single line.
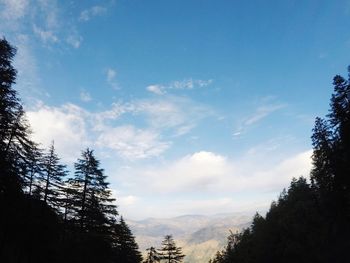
[(170, 252), (309, 222)]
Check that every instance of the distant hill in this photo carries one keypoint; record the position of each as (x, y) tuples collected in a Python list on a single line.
[(199, 236)]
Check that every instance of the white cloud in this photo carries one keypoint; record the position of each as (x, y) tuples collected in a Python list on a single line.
[(132, 143), (156, 89), (45, 35), (111, 78), (85, 96), (46, 19), (186, 84), (74, 40), (65, 125), (74, 128), (190, 83), (111, 73), (13, 9), (208, 173), (128, 200), (206, 183), (87, 14), (172, 112)]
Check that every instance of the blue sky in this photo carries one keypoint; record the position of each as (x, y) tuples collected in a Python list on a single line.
[(193, 107)]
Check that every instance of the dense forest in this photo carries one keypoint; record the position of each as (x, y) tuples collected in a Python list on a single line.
[(310, 221)]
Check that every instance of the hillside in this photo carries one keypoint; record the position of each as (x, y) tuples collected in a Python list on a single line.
[(199, 236)]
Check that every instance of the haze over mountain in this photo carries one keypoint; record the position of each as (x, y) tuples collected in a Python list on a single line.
[(199, 235)]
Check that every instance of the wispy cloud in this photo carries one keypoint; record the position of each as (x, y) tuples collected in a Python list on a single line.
[(177, 114), (46, 36), (262, 112), (78, 127), (44, 17), (28, 78), (87, 14), (186, 84), (74, 40), (268, 107), (156, 89), (132, 143), (85, 96), (111, 78), (13, 9)]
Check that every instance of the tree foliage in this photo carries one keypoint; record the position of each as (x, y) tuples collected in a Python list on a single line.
[(169, 252), (153, 255)]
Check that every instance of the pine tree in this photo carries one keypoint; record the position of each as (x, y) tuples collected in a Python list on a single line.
[(152, 255), (15, 143), (52, 179), (170, 252), (35, 169), (93, 199), (125, 248)]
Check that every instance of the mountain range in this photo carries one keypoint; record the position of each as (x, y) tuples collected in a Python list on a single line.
[(199, 236)]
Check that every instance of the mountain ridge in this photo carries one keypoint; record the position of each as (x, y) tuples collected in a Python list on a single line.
[(200, 236)]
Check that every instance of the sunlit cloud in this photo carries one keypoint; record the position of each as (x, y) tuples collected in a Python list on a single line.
[(208, 172), (74, 127), (65, 125)]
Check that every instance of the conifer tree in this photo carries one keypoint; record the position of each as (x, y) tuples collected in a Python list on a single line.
[(170, 252), (14, 130), (93, 199), (152, 255), (35, 169), (125, 248), (52, 178)]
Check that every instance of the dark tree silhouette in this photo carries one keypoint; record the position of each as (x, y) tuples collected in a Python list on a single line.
[(44, 218), (308, 223), (28, 227), (125, 248), (152, 255), (95, 208), (52, 179), (14, 130), (170, 252), (32, 178)]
